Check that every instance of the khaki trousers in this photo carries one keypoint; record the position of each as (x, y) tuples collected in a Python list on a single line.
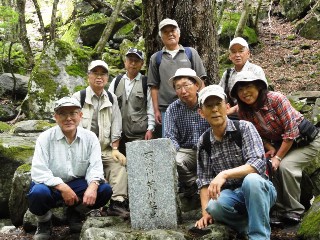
[(116, 175), (186, 160), (288, 177)]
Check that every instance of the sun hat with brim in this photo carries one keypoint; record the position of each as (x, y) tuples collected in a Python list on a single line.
[(246, 76), (66, 102), (185, 72), (211, 90), (239, 40), (97, 63), (166, 22)]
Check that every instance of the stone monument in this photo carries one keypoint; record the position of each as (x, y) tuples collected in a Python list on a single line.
[(152, 184)]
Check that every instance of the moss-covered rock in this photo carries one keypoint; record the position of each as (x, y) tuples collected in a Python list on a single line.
[(4, 127), (310, 226), (309, 27), (294, 9), (60, 68)]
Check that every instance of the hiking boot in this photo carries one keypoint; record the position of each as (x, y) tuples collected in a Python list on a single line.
[(187, 191), (74, 220), (291, 218), (44, 230), (126, 204), (117, 208)]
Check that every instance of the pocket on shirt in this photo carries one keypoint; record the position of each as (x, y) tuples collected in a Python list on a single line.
[(85, 121), (139, 123)]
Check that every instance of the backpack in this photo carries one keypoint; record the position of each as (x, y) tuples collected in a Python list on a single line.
[(187, 51), (226, 88), (144, 84), (236, 136), (83, 97)]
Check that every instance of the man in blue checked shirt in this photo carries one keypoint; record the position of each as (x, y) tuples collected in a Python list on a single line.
[(184, 126), (233, 187)]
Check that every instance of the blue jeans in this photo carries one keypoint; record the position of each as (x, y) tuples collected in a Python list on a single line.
[(42, 198), (246, 209)]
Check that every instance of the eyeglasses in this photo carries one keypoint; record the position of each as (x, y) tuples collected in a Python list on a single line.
[(97, 74), (186, 87), (66, 115)]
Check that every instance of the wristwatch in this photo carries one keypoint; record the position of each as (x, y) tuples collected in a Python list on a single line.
[(114, 148)]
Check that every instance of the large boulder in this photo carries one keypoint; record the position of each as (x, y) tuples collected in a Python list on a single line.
[(295, 9), (7, 84), (60, 71), (16, 149)]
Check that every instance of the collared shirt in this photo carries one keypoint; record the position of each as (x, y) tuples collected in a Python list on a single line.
[(183, 125), (128, 87), (56, 161), (225, 154), (159, 76), (281, 120)]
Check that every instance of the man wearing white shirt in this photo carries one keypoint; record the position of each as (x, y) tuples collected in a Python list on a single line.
[(134, 99), (66, 167)]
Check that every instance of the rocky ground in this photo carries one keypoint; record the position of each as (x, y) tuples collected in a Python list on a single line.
[(291, 63)]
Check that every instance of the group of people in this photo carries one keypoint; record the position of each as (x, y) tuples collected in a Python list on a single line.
[(81, 162)]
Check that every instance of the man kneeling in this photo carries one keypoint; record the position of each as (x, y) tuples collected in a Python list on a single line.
[(234, 189)]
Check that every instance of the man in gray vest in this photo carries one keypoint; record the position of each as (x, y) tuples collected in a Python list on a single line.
[(134, 100)]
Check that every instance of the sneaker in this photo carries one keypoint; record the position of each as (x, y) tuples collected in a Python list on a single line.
[(74, 220), (44, 230), (126, 204), (117, 208)]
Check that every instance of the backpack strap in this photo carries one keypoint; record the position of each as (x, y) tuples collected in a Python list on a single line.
[(82, 97), (144, 80), (116, 83), (236, 135), (110, 97), (187, 51), (206, 145)]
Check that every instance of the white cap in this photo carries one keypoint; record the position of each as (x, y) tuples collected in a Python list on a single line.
[(246, 76), (211, 90), (97, 63), (167, 21), (186, 72), (239, 40), (66, 102)]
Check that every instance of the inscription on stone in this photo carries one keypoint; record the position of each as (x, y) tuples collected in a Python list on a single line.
[(152, 184)]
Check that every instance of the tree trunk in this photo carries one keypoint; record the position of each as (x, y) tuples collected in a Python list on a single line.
[(243, 18), (53, 20), (23, 33), (107, 31), (196, 20), (42, 30)]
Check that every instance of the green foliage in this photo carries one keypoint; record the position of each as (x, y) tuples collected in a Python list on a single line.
[(94, 19), (71, 35), (8, 20), (18, 61), (228, 26), (75, 70), (4, 127)]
